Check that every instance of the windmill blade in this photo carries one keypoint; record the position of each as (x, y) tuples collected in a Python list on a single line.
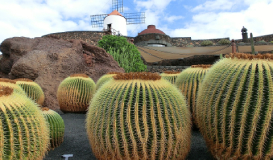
[(117, 5), (135, 18), (97, 20)]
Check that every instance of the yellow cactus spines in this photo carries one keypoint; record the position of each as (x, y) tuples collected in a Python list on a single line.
[(12, 84), (75, 92), (56, 126), (23, 129), (188, 82), (139, 116), (32, 89), (105, 78), (170, 76), (235, 107)]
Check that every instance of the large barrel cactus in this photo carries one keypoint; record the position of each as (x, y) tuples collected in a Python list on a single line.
[(235, 107), (139, 116), (188, 82), (56, 126), (12, 84), (75, 92), (23, 130), (32, 89), (105, 78), (170, 76)]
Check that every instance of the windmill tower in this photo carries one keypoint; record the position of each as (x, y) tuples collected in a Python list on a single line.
[(115, 21)]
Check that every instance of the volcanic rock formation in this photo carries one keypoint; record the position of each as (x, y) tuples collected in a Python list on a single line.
[(48, 61)]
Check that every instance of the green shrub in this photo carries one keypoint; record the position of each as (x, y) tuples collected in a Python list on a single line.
[(262, 42), (189, 46), (224, 41), (125, 53), (206, 43), (271, 42)]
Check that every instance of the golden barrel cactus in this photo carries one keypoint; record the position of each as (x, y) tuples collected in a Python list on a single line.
[(23, 129), (188, 82), (56, 127), (32, 89), (12, 84), (235, 107), (139, 116), (105, 78), (75, 92), (170, 76)]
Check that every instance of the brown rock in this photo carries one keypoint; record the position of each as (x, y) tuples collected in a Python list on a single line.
[(48, 61)]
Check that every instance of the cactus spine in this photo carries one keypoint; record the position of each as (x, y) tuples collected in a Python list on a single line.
[(188, 82), (56, 126), (23, 129), (139, 116), (105, 78), (170, 76), (252, 44), (32, 89), (75, 92), (234, 107)]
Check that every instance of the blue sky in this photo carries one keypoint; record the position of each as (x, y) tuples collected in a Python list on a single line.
[(199, 19)]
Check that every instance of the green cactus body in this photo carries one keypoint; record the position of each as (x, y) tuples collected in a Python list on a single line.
[(23, 129), (105, 78), (188, 82), (12, 84), (32, 89), (170, 76), (56, 126), (75, 92), (234, 107), (139, 116)]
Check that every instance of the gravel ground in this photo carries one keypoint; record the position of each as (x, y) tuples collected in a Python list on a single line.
[(76, 142)]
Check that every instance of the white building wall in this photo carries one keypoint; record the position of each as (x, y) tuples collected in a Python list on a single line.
[(118, 23)]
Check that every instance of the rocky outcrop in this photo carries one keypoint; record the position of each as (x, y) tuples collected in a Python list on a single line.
[(48, 61)]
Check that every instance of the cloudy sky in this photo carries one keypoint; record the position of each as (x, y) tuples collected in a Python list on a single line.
[(199, 19)]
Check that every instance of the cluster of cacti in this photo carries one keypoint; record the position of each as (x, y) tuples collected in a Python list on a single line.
[(32, 89), (75, 92), (170, 75), (105, 78), (56, 127), (23, 130), (234, 107), (12, 84), (140, 116), (188, 82)]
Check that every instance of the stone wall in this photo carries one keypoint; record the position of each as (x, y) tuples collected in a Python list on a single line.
[(266, 38), (161, 69), (91, 37), (188, 42)]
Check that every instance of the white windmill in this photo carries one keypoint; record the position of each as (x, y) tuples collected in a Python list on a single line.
[(115, 21)]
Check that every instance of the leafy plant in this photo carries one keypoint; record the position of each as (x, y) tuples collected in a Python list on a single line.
[(206, 43), (125, 53), (261, 42), (224, 41), (271, 42), (189, 46)]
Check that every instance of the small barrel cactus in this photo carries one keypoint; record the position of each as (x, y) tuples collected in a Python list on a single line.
[(139, 116), (105, 78), (32, 89), (170, 75), (188, 82), (12, 84), (56, 126), (75, 92), (234, 107), (23, 129)]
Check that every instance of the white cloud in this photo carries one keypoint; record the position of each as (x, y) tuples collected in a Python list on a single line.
[(171, 19), (205, 25), (215, 5)]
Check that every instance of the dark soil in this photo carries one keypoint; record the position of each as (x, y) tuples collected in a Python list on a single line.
[(77, 143)]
